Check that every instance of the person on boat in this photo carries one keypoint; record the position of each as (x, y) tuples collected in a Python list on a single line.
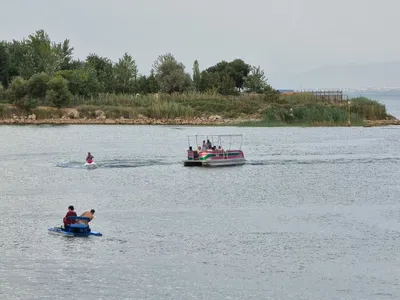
[(89, 158), (87, 214), (71, 213), (209, 145), (204, 146)]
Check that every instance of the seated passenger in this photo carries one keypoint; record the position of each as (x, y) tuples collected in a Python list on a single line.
[(89, 158), (71, 213)]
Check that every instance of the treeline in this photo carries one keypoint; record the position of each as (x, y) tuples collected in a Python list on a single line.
[(37, 70)]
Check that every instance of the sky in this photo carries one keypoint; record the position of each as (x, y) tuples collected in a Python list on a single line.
[(280, 36)]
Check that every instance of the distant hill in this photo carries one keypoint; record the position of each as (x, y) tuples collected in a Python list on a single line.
[(374, 75)]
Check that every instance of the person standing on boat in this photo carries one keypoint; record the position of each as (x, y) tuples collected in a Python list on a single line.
[(204, 146), (70, 213), (89, 158)]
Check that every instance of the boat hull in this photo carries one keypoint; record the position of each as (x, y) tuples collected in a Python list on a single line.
[(214, 163), (59, 231), (92, 165), (215, 158)]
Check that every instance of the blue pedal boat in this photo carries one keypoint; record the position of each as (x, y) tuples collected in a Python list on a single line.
[(75, 230)]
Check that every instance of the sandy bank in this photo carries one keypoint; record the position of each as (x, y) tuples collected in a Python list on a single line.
[(150, 121), (139, 121)]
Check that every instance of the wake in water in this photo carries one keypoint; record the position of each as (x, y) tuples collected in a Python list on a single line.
[(118, 164), (365, 160), (137, 163)]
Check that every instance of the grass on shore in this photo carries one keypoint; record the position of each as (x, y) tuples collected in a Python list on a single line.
[(274, 110)]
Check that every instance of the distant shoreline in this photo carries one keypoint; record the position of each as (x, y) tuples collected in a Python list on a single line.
[(178, 121)]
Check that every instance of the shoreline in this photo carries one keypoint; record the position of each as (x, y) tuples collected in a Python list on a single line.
[(176, 121)]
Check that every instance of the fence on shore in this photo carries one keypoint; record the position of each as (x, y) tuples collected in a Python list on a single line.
[(335, 96)]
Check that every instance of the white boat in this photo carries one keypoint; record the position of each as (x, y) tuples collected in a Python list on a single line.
[(218, 153), (91, 165)]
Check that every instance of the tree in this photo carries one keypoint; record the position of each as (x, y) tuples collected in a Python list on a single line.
[(229, 76), (42, 55), (152, 83), (104, 71), (256, 82), (170, 74), (83, 82), (65, 51), (217, 81), (2, 93), (17, 93), (37, 85), (147, 85), (238, 70), (17, 51), (4, 64), (196, 75), (125, 73), (57, 91), (141, 85)]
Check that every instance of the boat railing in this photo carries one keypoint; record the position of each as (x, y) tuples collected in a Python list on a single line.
[(219, 139)]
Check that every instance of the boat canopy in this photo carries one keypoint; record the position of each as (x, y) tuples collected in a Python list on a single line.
[(218, 140)]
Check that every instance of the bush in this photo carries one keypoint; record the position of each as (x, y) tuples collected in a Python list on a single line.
[(2, 93), (37, 85), (57, 92), (17, 93), (368, 109)]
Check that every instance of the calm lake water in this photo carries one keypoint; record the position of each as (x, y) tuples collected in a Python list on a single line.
[(315, 214)]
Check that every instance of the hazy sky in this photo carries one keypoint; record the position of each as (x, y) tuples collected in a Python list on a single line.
[(278, 35)]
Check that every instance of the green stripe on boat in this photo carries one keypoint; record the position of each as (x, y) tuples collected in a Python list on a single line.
[(213, 155)]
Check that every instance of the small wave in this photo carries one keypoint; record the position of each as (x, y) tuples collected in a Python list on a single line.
[(323, 161), (118, 164)]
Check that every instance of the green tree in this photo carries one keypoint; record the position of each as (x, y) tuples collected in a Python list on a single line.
[(238, 70), (170, 74), (141, 84), (220, 82), (42, 55), (57, 91), (196, 75), (64, 51), (37, 85), (256, 82), (152, 83), (224, 74), (4, 64), (125, 73), (104, 71), (83, 82), (17, 93), (2, 93), (17, 51)]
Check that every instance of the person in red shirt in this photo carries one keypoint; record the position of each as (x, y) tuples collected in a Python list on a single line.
[(70, 213), (89, 158)]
